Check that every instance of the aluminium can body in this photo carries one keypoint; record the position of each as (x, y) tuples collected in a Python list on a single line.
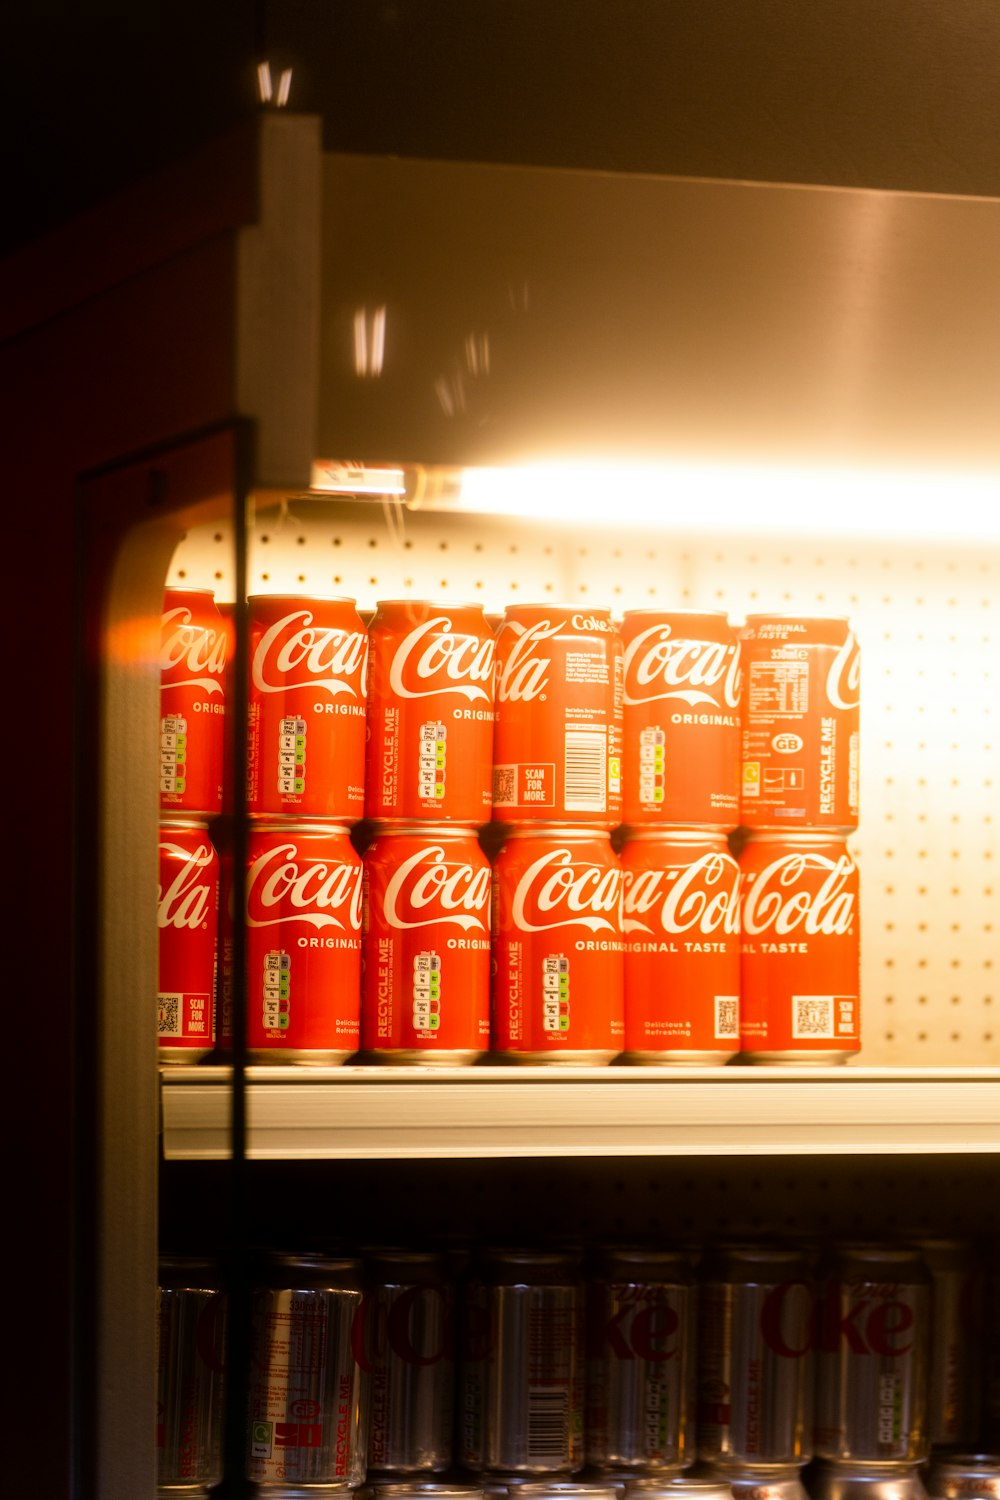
[(874, 1343), (956, 1328), (303, 943), (681, 718), (558, 951), (409, 1324), (194, 643), (963, 1476), (190, 1373), (307, 1397), (800, 956), (782, 1482), (557, 751), (680, 918), (756, 1307), (800, 723), (425, 982), (522, 1380), (641, 1334), (187, 923), (862, 1481), (430, 713), (306, 708)]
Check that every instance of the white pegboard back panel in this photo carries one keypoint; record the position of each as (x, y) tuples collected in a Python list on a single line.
[(926, 619)]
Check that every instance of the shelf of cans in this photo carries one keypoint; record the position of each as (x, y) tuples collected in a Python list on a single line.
[(772, 1372), (550, 838)]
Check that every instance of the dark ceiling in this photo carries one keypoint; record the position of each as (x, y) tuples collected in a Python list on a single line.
[(876, 93)]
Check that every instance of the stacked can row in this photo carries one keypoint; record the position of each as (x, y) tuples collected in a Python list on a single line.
[(557, 715), (674, 951), (536, 1365)]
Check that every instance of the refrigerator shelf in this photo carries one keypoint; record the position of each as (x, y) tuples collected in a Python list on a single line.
[(365, 1113)]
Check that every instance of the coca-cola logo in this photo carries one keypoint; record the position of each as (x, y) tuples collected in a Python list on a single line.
[(644, 1330), (434, 658), (427, 889), (702, 896), (296, 652), (191, 648), (783, 897), (787, 1319), (284, 886), (417, 1326), (187, 899), (524, 672), (559, 890), (660, 665), (843, 681), (866, 1319)]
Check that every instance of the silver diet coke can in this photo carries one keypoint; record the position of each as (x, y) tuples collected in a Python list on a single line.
[(308, 1396), (956, 1367), (755, 1337), (190, 1350), (641, 1307), (522, 1364), (410, 1351), (874, 1346)]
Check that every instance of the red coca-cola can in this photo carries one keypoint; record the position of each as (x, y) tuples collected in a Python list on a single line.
[(800, 723), (681, 919), (430, 713), (224, 1026), (558, 953), (303, 914), (681, 720), (425, 988), (873, 1377), (187, 920), (193, 650), (800, 960), (558, 746), (306, 734)]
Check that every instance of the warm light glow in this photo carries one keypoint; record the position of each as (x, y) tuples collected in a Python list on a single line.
[(331, 478), (733, 498)]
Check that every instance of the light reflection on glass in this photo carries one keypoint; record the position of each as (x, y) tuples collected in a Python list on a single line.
[(369, 342)]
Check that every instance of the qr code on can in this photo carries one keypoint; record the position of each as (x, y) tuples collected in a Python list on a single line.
[(169, 1015), (727, 1017), (504, 786), (812, 1016)]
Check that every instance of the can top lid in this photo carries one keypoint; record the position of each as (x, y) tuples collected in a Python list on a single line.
[(568, 606), (687, 609), (172, 820), (274, 823), (674, 833), (183, 588), (429, 604), (425, 830), (556, 830), (793, 614), (285, 596), (316, 1270)]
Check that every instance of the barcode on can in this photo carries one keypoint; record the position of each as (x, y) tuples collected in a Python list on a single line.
[(548, 1423), (812, 1016), (586, 770)]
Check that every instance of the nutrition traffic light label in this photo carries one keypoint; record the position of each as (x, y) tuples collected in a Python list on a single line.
[(652, 758), (173, 753), (277, 990), (555, 992), (291, 757), (431, 762), (426, 991)]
